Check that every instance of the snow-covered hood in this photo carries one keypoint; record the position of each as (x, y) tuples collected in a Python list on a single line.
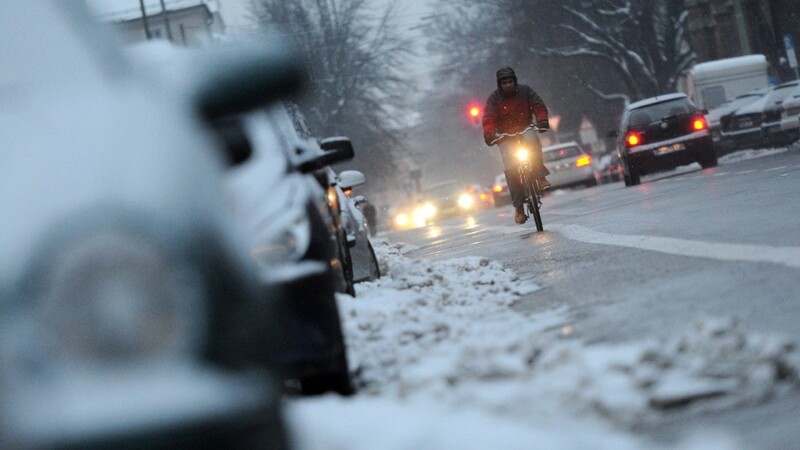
[(110, 144)]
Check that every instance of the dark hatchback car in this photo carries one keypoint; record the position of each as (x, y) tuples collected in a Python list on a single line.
[(661, 133)]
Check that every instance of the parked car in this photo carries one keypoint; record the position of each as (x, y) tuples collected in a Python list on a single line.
[(771, 123), (291, 230), (500, 191), (727, 110), (661, 133), (758, 124), (365, 263), (128, 296), (569, 165), (790, 115), (284, 209)]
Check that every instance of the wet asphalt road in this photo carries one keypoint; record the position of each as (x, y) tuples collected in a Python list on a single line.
[(644, 262)]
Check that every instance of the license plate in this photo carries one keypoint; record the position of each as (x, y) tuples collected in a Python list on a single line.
[(670, 148), (745, 123)]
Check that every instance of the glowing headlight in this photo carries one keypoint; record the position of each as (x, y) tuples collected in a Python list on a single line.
[(522, 154), (401, 220), (429, 211), (285, 240), (110, 297), (466, 201)]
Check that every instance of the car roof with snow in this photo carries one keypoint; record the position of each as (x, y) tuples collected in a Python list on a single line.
[(655, 100), (780, 92)]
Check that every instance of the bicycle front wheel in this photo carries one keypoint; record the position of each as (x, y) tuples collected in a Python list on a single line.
[(533, 203)]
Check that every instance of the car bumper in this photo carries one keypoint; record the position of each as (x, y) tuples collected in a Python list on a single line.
[(740, 139), (166, 406), (311, 342), (671, 153), (571, 177)]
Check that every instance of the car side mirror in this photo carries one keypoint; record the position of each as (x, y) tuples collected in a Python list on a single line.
[(234, 81), (337, 149), (349, 179), (359, 200), (613, 134)]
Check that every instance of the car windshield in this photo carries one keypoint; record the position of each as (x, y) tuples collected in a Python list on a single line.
[(658, 111), (446, 190), (561, 153)]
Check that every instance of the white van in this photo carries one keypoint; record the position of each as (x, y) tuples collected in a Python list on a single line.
[(712, 83)]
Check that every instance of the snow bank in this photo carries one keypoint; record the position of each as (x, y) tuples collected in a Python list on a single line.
[(435, 346)]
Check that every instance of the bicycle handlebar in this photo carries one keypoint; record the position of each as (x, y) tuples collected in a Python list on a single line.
[(505, 135)]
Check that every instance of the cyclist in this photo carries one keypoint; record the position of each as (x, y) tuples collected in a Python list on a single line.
[(510, 109)]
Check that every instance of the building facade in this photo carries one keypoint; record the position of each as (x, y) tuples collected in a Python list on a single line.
[(727, 28)]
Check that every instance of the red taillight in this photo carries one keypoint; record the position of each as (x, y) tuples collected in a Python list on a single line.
[(633, 139), (699, 123), (584, 160), (484, 196)]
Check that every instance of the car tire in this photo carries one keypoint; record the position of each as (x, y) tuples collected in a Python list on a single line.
[(708, 158), (337, 380), (633, 176), (592, 182), (374, 267)]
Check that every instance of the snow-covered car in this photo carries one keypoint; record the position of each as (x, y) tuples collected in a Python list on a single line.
[(727, 110), (500, 191), (660, 133), (291, 231), (285, 211), (128, 295), (758, 124), (365, 263), (569, 165), (790, 115), (772, 124)]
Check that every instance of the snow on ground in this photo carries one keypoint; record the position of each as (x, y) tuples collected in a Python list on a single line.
[(442, 362)]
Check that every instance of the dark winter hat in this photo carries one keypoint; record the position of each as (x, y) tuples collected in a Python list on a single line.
[(506, 72)]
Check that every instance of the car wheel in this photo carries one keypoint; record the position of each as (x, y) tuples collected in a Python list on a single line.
[(591, 182), (374, 267), (337, 380), (708, 158), (633, 176)]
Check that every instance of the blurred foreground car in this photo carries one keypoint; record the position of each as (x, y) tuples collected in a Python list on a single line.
[(365, 263), (660, 133), (569, 165), (128, 298), (500, 191)]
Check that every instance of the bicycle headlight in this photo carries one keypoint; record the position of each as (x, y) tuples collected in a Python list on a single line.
[(109, 297), (522, 154)]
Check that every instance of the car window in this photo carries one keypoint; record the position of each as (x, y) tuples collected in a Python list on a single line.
[(651, 113), (561, 153)]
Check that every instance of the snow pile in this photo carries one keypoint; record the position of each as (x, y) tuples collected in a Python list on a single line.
[(434, 345), (743, 155)]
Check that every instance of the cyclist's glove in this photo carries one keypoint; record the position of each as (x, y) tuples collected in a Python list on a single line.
[(543, 125)]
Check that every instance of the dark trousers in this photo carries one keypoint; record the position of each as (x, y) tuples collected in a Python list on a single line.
[(510, 161)]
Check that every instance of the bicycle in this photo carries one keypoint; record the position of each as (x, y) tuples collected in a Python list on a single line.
[(530, 183)]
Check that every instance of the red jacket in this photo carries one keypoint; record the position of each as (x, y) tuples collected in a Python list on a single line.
[(512, 113)]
